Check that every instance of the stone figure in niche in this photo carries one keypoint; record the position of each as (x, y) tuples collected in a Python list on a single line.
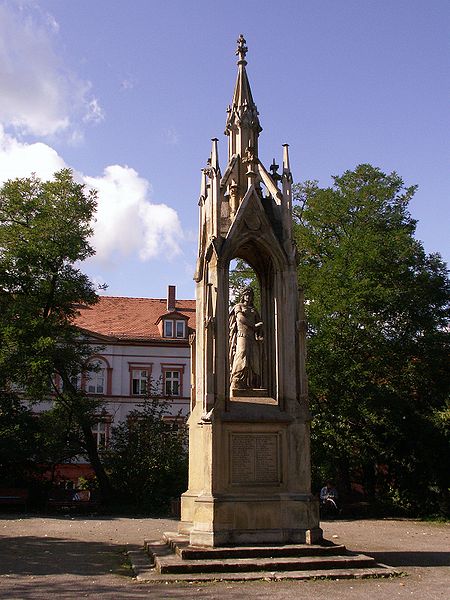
[(246, 339)]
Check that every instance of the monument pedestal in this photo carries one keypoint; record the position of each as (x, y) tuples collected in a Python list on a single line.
[(259, 478), (252, 520)]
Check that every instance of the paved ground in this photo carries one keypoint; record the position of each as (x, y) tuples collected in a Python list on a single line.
[(82, 557)]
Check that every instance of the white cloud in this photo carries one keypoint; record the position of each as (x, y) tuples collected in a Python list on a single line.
[(39, 95), (51, 22), (95, 113), (20, 160), (100, 284), (126, 224)]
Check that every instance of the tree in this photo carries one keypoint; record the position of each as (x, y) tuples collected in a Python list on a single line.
[(58, 439), (147, 457), (378, 311), (17, 440), (242, 276), (45, 228)]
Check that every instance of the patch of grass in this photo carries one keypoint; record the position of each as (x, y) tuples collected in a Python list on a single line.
[(124, 569), (438, 519)]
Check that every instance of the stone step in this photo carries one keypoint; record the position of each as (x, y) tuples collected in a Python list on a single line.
[(143, 572), (180, 545), (174, 559), (176, 540), (174, 564), (193, 553)]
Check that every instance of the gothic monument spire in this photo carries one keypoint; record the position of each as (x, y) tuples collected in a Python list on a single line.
[(242, 124), (249, 470)]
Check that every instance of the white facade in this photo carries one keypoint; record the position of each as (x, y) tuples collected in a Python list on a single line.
[(141, 349), (125, 370)]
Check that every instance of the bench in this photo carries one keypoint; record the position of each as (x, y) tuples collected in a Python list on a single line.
[(14, 497), (67, 499)]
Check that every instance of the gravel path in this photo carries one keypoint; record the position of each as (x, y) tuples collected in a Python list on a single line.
[(84, 557)]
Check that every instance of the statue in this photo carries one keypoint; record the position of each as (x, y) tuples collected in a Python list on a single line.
[(245, 343)]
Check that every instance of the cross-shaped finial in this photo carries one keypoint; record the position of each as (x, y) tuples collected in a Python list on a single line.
[(241, 49), (274, 168)]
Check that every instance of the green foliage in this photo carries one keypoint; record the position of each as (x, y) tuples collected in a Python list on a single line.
[(147, 458), (30, 444), (58, 437), (17, 440), (44, 232), (84, 483), (378, 309), (242, 276)]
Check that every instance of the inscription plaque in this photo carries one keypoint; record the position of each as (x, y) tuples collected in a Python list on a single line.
[(255, 458)]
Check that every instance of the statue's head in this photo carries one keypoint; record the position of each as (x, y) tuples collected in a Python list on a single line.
[(248, 295)]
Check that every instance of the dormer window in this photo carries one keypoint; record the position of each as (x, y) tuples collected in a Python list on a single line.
[(180, 329), (174, 328), (168, 328)]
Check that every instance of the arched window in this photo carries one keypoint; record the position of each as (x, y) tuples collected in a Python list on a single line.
[(96, 377)]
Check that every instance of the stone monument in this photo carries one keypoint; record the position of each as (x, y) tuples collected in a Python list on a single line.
[(249, 444)]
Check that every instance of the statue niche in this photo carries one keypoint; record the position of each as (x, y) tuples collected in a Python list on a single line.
[(245, 344)]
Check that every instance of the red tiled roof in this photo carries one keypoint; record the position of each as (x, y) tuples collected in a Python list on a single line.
[(130, 318)]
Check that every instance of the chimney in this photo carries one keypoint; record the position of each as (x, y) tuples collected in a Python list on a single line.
[(171, 297)]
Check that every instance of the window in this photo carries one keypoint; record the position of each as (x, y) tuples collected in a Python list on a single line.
[(139, 382), (180, 333), (172, 380), (140, 374), (75, 380), (168, 328), (100, 431), (95, 383), (174, 328)]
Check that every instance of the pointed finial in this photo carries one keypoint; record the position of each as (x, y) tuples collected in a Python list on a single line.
[(214, 154), (241, 50), (274, 168), (286, 165)]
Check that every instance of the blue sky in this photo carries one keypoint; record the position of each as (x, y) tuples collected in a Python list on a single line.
[(129, 94)]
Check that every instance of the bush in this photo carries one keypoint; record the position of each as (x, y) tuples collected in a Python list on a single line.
[(147, 459)]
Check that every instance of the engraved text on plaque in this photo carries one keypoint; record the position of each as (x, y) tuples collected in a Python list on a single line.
[(255, 458)]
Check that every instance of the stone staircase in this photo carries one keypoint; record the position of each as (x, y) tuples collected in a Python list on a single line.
[(173, 559)]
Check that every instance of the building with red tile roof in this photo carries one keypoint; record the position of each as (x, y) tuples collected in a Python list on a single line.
[(137, 343), (135, 319)]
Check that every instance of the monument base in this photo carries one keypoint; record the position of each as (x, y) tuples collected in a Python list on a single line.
[(174, 559), (216, 539), (250, 519)]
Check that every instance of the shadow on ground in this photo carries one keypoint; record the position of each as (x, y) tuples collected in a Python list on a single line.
[(6, 515), (120, 589), (29, 555), (412, 559)]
